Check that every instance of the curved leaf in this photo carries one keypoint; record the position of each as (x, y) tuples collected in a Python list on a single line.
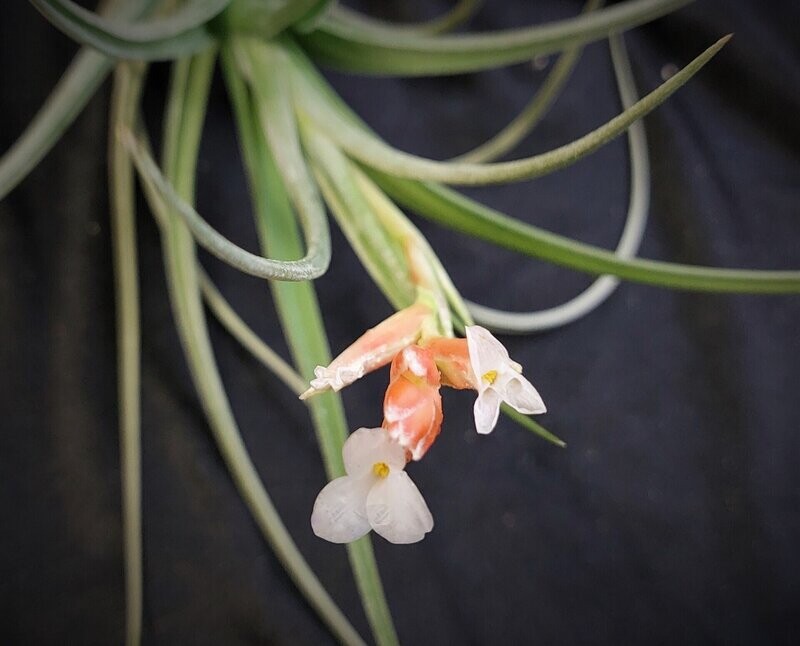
[(369, 149), (159, 190), (180, 34), (188, 98), (452, 209), (247, 338), (266, 19), (519, 127), (459, 212), (304, 329), (261, 63), (629, 242), (356, 47), (380, 255), (192, 14), (85, 74), (448, 21)]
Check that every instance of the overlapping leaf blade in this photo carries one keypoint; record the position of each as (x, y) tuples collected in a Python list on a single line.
[(354, 46)]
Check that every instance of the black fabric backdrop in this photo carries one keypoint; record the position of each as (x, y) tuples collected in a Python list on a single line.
[(673, 516)]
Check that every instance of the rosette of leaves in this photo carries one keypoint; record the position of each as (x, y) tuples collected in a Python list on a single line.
[(307, 154)]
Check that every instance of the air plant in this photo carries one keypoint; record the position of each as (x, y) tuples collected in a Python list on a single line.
[(306, 153)]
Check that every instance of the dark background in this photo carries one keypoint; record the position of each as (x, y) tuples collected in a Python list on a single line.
[(672, 517)]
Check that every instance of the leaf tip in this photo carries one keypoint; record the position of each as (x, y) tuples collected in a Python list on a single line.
[(712, 51)]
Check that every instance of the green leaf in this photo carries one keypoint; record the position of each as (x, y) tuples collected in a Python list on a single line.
[(247, 338), (268, 18), (310, 21), (177, 35), (632, 233), (399, 227), (381, 256), (191, 15), (519, 127), (459, 14), (261, 63), (188, 98), (84, 75), (531, 425), (158, 189), (125, 98), (459, 212), (304, 329), (356, 47), (462, 214), (369, 149)]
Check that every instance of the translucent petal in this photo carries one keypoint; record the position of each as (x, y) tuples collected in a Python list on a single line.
[(486, 353), (366, 446), (340, 514), (522, 396), (335, 378), (397, 510), (487, 410)]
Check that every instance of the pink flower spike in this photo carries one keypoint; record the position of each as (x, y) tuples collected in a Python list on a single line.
[(372, 350)]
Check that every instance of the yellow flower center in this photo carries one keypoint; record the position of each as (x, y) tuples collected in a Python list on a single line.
[(489, 376), (380, 469)]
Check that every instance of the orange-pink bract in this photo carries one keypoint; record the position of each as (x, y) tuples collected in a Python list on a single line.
[(452, 359), (372, 350), (412, 407)]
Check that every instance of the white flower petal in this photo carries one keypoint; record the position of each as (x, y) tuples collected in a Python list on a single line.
[(340, 514), (335, 378), (487, 410), (397, 510), (366, 446), (521, 395), (486, 354)]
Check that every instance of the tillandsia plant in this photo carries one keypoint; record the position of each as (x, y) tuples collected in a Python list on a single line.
[(306, 154)]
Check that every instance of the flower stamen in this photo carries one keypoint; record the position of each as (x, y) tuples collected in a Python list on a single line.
[(381, 469), (489, 376)]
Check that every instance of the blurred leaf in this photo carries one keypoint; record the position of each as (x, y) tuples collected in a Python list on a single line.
[(358, 47), (84, 75), (459, 14), (125, 98), (180, 34)]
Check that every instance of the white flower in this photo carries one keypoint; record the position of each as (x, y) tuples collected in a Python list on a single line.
[(375, 494), (497, 379)]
